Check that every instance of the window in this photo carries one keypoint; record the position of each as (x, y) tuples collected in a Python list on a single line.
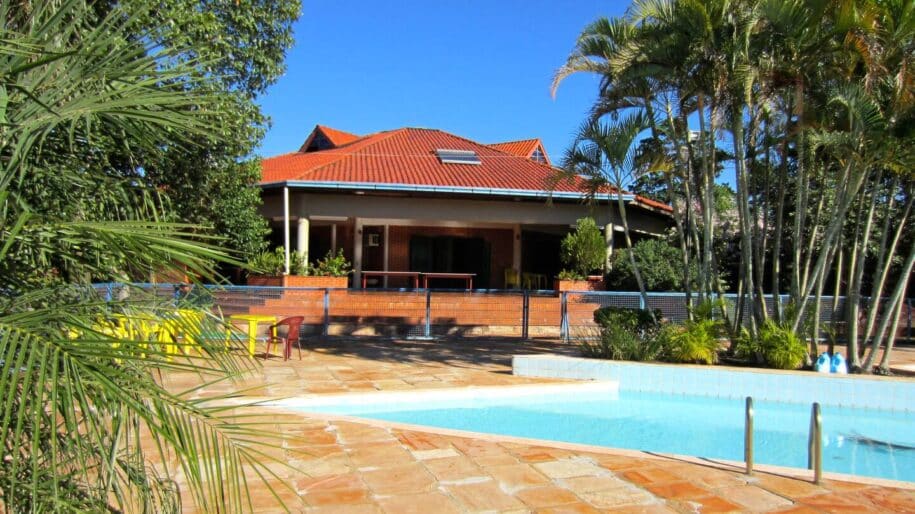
[(447, 156), (537, 156)]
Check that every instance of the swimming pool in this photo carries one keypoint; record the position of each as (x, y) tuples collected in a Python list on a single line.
[(877, 443)]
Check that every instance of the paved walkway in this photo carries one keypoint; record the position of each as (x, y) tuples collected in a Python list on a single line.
[(346, 467)]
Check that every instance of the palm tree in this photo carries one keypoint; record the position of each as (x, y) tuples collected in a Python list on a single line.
[(817, 100), (604, 155), (84, 415)]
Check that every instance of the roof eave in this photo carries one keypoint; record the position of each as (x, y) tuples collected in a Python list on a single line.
[(413, 188)]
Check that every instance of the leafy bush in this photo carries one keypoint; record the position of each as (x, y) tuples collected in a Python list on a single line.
[(660, 265), (776, 346), (638, 321), (570, 275), (780, 347), (269, 263), (274, 263), (617, 343), (583, 250), (332, 265), (624, 334), (693, 341)]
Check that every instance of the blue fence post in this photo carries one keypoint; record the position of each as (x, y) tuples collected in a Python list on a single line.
[(564, 321), (326, 330), (428, 330), (525, 313)]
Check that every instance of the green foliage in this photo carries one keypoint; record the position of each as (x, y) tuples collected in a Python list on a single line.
[(570, 275), (637, 321), (84, 101), (659, 262), (332, 265), (624, 334), (777, 345), (269, 263), (273, 263), (693, 341), (583, 250), (233, 50), (617, 343)]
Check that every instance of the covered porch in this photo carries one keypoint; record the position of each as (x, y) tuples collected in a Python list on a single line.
[(502, 243)]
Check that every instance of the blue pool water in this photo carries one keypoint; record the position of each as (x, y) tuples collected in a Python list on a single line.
[(855, 441)]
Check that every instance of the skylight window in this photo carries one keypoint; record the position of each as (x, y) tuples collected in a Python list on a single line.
[(447, 156)]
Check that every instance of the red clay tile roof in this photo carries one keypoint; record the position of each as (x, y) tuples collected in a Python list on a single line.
[(522, 148), (407, 157), (334, 136), (653, 203), (337, 137)]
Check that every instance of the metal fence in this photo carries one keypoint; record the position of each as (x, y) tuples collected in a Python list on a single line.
[(441, 312)]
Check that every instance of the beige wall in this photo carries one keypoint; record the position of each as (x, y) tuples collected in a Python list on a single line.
[(457, 211)]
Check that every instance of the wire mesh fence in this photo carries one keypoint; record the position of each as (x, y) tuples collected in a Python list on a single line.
[(448, 312)]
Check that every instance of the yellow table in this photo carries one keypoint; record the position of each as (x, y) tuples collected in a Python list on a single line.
[(253, 320)]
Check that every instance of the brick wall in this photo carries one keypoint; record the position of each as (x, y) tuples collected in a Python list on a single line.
[(354, 311)]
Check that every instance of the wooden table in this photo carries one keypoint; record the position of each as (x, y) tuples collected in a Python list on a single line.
[(466, 277), (253, 320), (409, 274)]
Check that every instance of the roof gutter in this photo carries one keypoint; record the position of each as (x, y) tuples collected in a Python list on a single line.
[(409, 188)]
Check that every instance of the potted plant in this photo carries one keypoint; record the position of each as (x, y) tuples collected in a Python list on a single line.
[(331, 271), (582, 251), (269, 268)]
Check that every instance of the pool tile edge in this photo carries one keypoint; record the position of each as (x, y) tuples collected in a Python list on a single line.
[(857, 391)]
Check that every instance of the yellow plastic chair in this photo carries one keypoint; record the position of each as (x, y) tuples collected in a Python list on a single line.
[(527, 280), (512, 278), (189, 328)]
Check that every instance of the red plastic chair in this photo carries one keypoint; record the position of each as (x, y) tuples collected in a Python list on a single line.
[(293, 326)]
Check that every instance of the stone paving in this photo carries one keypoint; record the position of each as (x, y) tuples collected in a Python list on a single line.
[(340, 466)]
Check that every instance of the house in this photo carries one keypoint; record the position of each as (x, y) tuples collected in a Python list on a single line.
[(416, 199)]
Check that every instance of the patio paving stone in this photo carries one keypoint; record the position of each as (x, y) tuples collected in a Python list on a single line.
[(517, 476), (338, 466), (483, 496), (568, 468), (425, 503), (548, 496), (411, 478), (753, 498), (453, 469)]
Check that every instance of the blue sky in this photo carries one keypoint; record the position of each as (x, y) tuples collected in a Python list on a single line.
[(481, 70)]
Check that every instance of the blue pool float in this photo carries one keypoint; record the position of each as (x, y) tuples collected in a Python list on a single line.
[(823, 363), (838, 365)]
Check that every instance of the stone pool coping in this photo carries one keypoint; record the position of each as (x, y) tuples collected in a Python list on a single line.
[(296, 405)]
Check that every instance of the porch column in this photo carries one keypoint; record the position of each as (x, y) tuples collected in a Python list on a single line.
[(608, 239), (516, 248), (286, 226), (302, 233), (385, 243), (357, 253), (333, 238)]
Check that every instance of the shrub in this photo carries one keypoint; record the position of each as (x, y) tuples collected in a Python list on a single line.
[(660, 264), (617, 343), (332, 265), (780, 347), (638, 321), (693, 341), (624, 334), (583, 250), (274, 263), (269, 263)]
